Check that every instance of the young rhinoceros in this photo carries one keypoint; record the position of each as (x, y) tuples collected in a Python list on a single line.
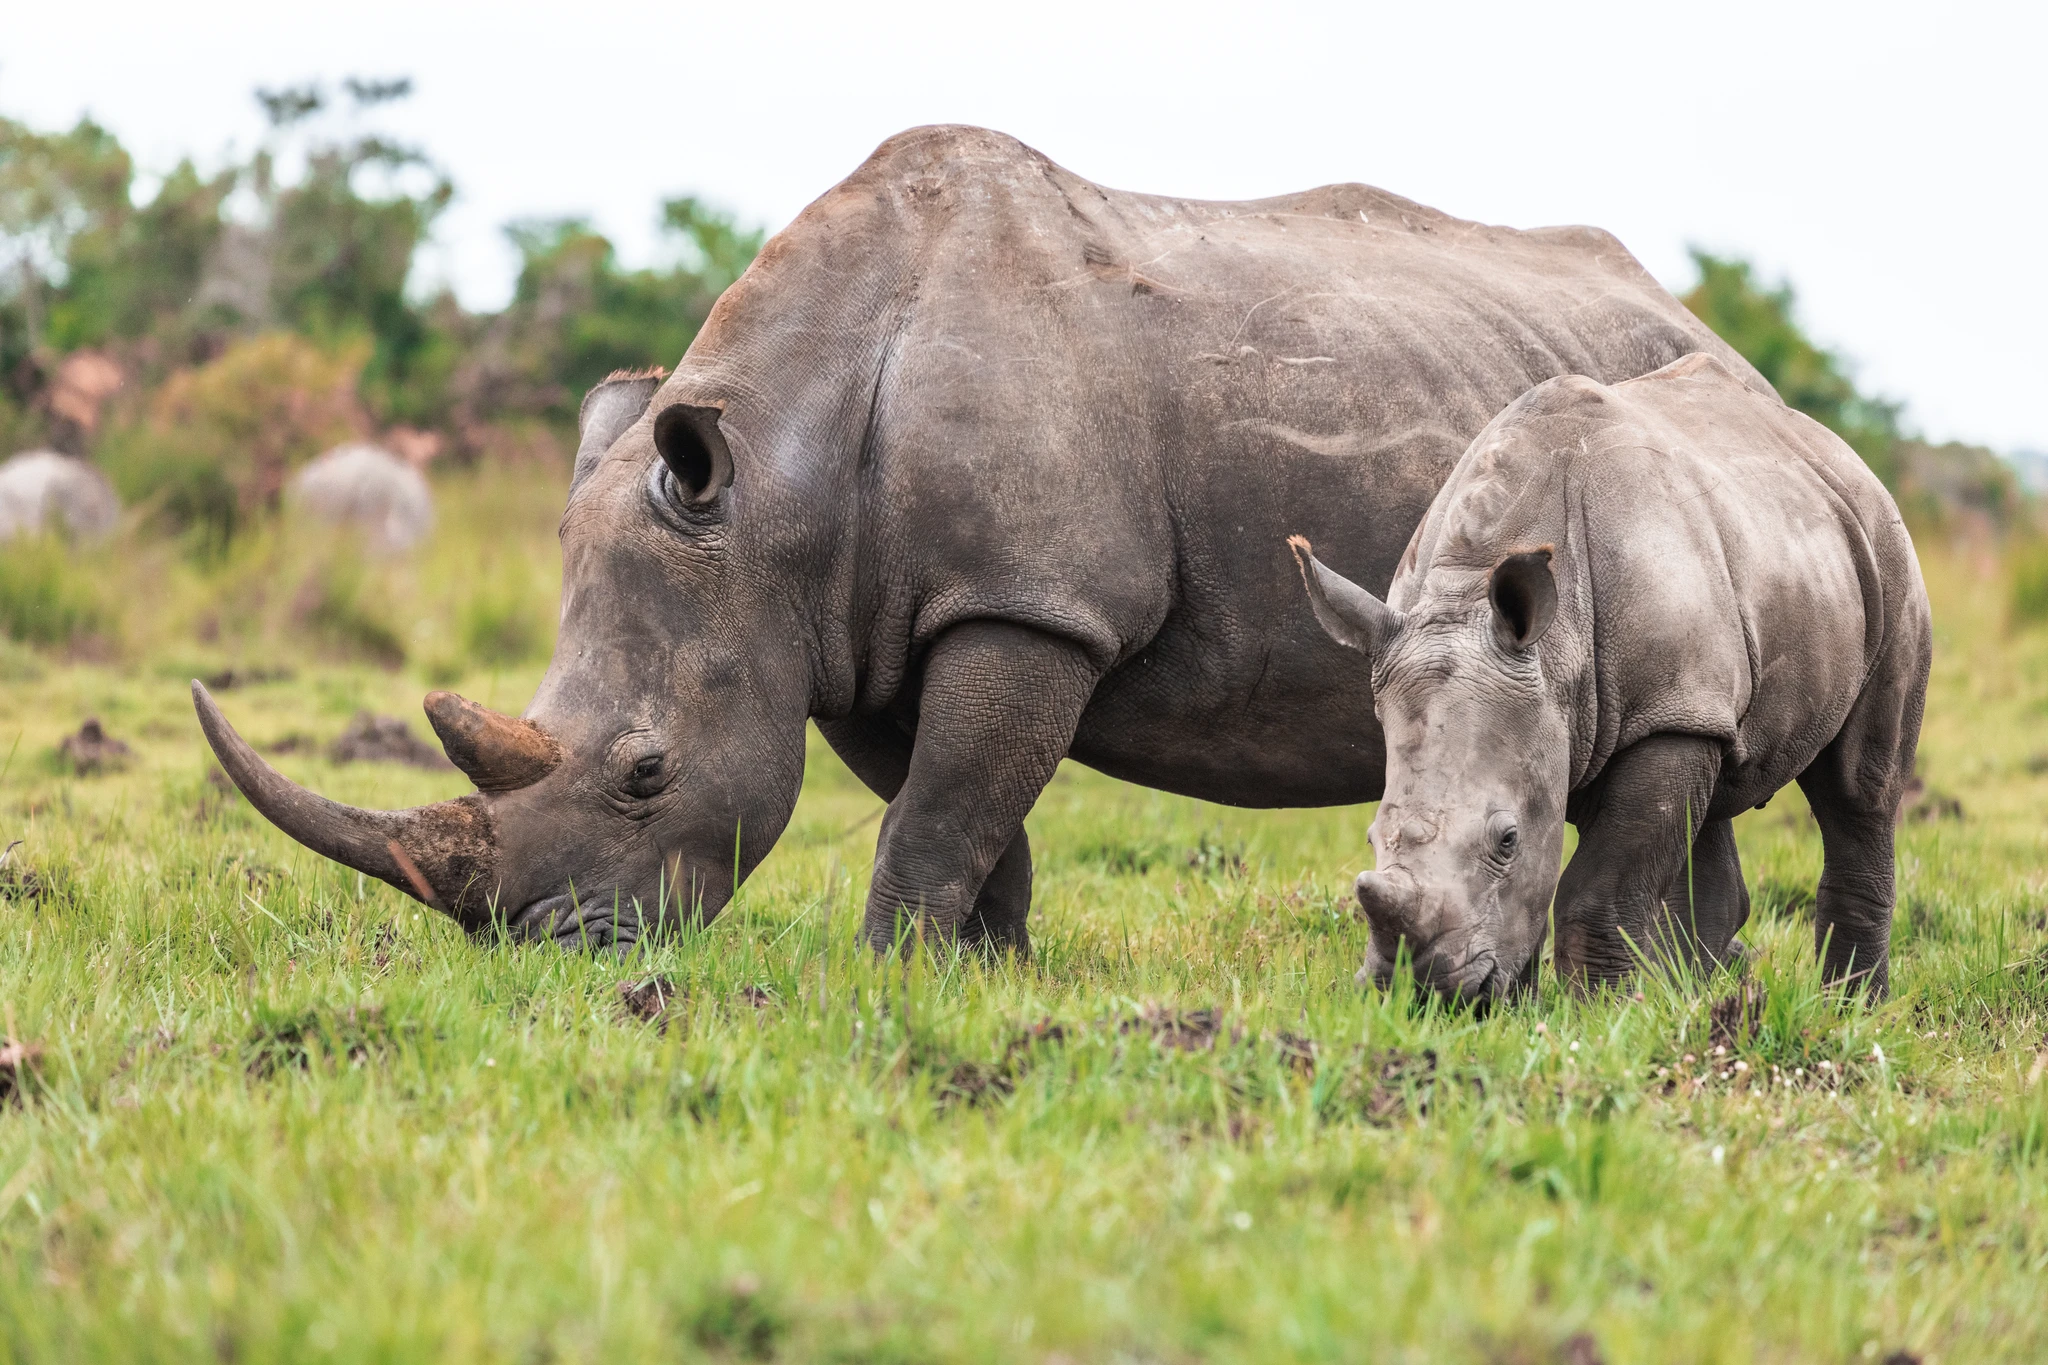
[(1642, 609)]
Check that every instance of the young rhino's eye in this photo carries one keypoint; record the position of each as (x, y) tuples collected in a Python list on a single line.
[(1502, 835)]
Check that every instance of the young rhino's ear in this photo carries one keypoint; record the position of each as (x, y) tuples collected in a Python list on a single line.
[(1524, 596), (1349, 614)]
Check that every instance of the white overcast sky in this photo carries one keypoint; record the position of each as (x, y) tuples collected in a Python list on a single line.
[(1891, 160)]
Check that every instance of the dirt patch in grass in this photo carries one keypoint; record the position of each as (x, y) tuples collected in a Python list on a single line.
[(660, 1001), (737, 1319), (1178, 1030), (1579, 1348), (974, 1083), (1733, 1019), (1383, 1087), (1923, 803), (289, 1041), (229, 678), (19, 883), (1297, 1053)]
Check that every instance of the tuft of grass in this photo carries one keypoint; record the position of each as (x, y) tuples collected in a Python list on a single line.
[(499, 625), (2027, 590), (47, 595), (337, 606)]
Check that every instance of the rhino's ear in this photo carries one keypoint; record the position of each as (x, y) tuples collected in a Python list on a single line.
[(1348, 613), (608, 410), (1523, 591), (694, 449)]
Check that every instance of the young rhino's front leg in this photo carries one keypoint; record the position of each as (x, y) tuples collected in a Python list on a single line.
[(998, 710), (1630, 889)]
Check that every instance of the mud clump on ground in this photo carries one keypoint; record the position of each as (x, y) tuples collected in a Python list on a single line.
[(93, 750), (245, 677), (977, 1083), (648, 1001), (385, 739), (22, 885)]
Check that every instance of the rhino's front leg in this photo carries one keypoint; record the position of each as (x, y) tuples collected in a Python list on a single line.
[(1636, 824), (878, 751), (996, 714)]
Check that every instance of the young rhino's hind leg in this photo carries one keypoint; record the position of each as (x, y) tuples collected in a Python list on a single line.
[(1854, 786), (1852, 915), (1636, 823)]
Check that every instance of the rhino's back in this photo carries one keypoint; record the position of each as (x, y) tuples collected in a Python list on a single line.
[(1101, 413), (1113, 408)]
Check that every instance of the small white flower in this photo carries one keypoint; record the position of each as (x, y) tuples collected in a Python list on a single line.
[(1719, 1152)]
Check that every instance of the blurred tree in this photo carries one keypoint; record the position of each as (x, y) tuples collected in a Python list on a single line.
[(1759, 324), (339, 243), (54, 188), (576, 315), (133, 271)]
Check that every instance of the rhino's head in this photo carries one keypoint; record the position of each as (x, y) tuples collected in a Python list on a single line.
[(1469, 833), (662, 754)]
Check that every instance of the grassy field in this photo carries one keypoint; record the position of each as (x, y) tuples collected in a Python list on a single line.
[(280, 1114)]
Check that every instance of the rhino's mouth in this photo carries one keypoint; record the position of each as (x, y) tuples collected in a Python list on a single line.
[(594, 919), (1478, 980), (612, 919)]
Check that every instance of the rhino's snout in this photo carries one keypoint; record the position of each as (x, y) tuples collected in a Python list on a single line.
[(1448, 957)]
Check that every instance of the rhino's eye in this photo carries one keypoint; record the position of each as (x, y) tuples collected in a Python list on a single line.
[(1503, 838), (648, 777)]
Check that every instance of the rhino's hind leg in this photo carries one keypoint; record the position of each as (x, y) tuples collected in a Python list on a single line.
[(996, 714), (1852, 914), (1636, 823)]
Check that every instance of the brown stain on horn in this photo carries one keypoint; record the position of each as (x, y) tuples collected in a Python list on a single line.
[(494, 751)]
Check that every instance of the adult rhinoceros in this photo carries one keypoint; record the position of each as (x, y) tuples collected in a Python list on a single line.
[(981, 465)]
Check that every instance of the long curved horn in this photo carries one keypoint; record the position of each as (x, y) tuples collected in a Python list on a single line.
[(496, 752), (444, 854)]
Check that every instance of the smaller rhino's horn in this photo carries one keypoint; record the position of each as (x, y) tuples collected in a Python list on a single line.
[(496, 752)]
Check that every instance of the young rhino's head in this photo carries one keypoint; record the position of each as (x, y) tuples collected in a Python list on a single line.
[(1469, 833)]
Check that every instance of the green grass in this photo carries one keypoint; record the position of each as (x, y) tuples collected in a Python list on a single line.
[(281, 1114)]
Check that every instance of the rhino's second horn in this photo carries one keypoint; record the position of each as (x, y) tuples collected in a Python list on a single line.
[(497, 752)]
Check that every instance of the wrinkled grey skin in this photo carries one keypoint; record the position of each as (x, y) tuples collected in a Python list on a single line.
[(981, 465), (1641, 609)]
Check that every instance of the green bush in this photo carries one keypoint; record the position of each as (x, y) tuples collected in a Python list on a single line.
[(46, 594)]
